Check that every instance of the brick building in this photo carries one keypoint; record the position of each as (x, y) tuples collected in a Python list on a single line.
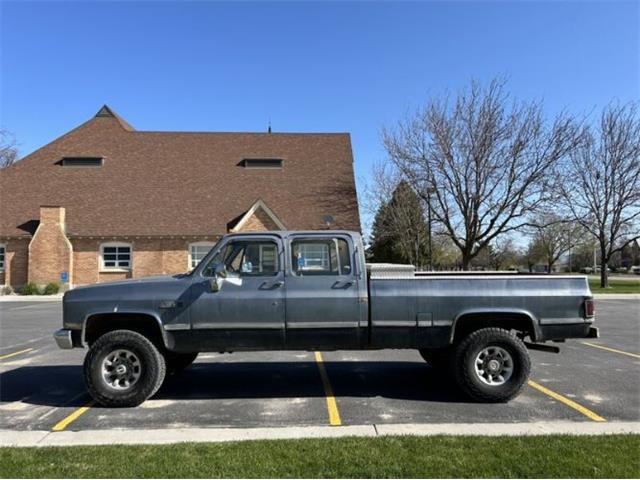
[(105, 202)]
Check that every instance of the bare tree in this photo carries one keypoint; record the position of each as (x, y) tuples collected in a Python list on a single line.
[(481, 161), (553, 237), (8, 149), (601, 182), (498, 255)]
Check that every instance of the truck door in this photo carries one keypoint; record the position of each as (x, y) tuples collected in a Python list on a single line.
[(247, 310), (323, 310)]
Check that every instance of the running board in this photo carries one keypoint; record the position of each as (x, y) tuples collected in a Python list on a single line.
[(542, 348)]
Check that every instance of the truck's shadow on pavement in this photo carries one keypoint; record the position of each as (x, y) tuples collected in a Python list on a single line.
[(55, 385)]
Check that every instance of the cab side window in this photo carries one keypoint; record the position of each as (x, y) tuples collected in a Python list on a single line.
[(246, 259), (325, 256)]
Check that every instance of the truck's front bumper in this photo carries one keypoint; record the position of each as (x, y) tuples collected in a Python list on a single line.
[(64, 338)]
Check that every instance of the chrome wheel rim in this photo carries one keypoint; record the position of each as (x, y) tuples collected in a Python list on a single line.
[(494, 366), (121, 369)]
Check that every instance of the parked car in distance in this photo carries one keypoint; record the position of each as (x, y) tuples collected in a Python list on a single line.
[(311, 290)]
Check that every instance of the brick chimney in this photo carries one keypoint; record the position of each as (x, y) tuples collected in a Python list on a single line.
[(50, 251)]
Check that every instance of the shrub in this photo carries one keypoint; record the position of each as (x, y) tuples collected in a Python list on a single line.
[(30, 289), (51, 288), (6, 290)]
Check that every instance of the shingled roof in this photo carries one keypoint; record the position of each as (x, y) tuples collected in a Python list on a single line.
[(179, 183)]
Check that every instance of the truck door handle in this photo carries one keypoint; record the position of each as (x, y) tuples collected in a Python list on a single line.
[(271, 286), (345, 285)]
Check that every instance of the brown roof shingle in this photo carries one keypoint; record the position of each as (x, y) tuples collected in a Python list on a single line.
[(179, 183)]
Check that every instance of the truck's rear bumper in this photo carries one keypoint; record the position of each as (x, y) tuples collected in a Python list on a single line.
[(63, 339), (67, 339), (572, 330)]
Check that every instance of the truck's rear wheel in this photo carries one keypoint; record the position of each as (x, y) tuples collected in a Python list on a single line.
[(176, 362), (491, 365), (123, 369)]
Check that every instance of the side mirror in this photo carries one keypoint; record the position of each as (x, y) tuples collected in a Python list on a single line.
[(220, 271)]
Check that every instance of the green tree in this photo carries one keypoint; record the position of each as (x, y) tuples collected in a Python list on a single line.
[(400, 232)]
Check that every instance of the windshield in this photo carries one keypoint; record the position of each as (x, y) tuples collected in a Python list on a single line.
[(205, 259)]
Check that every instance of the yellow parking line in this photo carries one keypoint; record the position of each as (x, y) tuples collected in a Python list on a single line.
[(8, 355), (634, 355), (569, 403), (65, 422), (332, 406)]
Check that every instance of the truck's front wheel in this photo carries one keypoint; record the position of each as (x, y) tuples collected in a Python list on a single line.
[(491, 365), (123, 369)]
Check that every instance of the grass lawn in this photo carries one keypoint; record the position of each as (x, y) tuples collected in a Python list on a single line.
[(614, 456), (631, 285)]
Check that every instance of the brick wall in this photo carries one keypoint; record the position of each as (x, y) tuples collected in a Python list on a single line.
[(15, 262), (50, 252), (154, 256), (259, 221), (85, 261)]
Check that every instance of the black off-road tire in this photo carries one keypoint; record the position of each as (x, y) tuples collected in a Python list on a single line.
[(152, 374), (439, 358), (177, 362), (469, 381)]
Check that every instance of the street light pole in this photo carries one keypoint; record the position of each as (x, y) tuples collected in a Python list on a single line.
[(570, 268), (430, 243)]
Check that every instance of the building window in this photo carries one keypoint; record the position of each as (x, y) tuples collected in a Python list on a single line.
[(320, 257), (3, 251), (115, 256), (82, 162), (197, 251), (263, 163)]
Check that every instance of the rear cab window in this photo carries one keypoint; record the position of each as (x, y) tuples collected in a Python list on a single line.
[(320, 256)]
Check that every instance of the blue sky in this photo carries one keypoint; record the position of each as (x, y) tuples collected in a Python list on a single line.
[(325, 66)]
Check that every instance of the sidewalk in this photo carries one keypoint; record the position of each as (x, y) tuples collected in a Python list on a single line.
[(42, 438)]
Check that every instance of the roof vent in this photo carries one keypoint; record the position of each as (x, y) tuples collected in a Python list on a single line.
[(81, 162), (263, 163)]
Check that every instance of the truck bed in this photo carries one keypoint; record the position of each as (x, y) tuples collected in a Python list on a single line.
[(434, 302)]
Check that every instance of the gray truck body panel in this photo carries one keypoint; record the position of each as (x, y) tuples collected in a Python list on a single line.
[(347, 310)]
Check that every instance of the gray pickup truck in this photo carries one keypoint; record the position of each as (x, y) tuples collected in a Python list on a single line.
[(313, 291)]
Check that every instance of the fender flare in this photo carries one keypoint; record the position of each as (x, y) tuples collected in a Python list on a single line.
[(488, 311), (116, 311)]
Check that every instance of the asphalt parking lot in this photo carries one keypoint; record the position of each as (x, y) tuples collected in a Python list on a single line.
[(41, 387)]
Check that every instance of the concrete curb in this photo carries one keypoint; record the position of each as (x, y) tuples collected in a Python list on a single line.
[(31, 298), (41, 438), (617, 296)]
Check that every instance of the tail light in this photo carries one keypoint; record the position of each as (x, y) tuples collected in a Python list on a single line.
[(589, 308)]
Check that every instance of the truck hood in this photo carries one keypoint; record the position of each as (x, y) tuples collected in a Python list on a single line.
[(159, 279), (148, 288)]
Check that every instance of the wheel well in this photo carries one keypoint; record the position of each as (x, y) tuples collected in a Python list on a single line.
[(471, 322), (99, 324)]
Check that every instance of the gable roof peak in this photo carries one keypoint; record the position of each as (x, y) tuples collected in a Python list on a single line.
[(106, 111)]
